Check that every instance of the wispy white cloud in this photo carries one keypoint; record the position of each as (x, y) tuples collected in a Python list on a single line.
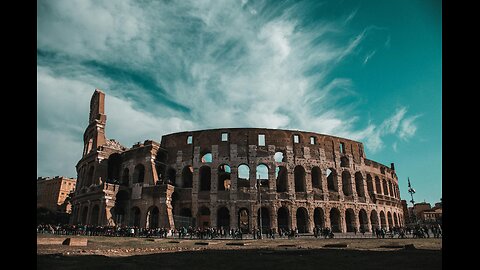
[(369, 55), (229, 63)]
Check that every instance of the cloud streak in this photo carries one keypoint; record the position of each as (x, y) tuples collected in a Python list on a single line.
[(171, 66)]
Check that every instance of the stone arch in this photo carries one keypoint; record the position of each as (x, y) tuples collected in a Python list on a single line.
[(187, 176), (302, 220), (119, 209), (223, 218), (280, 156), (244, 220), (84, 215), (207, 157), (374, 219), (262, 174), (359, 184), (283, 218), (282, 178), (243, 179), (395, 220), (113, 168), (299, 175), (171, 176), (363, 219), (204, 217), (378, 185), (370, 185), (153, 216), (332, 180), (335, 220), (94, 215), (316, 175), (125, 177), (205, 175), (319, 217), (350, 221), (135, 216), (139, 174), (265, 218), (390, 220), (383, 221), (344, 162), (385, 187), (391, 193), (224, 182), (347, 183)]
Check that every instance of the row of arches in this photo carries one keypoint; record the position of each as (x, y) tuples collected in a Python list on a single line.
[(348, 221), (281, 177)]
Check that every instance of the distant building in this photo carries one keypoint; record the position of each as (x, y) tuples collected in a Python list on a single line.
[(53, 192)]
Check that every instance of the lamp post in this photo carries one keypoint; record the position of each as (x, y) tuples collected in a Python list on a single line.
[(412, 191)]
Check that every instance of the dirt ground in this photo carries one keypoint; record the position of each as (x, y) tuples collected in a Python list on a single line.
[(139, 253)]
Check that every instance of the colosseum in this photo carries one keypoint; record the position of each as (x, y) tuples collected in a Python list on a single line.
[(232, 178)]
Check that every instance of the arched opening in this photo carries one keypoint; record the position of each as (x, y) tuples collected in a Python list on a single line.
[(350, 220), (390, 189), (223, 218), (385, 187), (265, 219), (332, 180), (363, 218), (316, 178), (207, 158), (282, 218), (280, 156), (302, 220), (224, 182), (282, 178), (171, 176), (347, 183), (395, 220), (160, 164), (186, 212), (119, 209), (90, 177), (378, 185), (204, 217), (344, 162), (135, 217), (335, 220), (299, 174), (370, 185), (374, 219), (84, 215), (175, 201), (94, 215), (205, 178), (152, 217), (139, 174), (319, 217), (113, 171), (359, 184), (243, 220), (262, 175), (243, 176), (390, 220), (125, 177), (187, 176), (383, 221)]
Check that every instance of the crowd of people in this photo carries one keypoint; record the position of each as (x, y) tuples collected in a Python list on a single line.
[(417, 231)]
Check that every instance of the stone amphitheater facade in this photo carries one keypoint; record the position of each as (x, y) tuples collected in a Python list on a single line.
[(233, 178)]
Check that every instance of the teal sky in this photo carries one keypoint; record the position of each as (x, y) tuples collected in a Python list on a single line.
[(366, 70)]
